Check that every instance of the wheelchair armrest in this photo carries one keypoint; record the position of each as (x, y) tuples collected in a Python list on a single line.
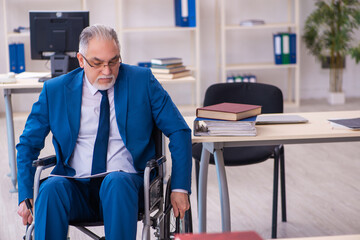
[(45, 162), (153, 163)]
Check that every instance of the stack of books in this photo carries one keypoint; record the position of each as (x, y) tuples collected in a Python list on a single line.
[(226, 119), (169, 68)]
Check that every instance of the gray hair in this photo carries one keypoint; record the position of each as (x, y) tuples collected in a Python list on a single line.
[(96, 31)]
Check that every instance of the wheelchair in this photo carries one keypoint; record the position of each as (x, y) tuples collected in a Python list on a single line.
[(157, 213)]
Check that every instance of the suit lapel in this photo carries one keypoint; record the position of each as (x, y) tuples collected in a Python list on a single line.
[(73, 96), (121, 102)]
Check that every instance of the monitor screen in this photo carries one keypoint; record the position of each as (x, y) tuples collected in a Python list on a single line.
[(56, 33)]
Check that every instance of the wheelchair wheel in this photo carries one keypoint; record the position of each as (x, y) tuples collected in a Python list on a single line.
[(173, 225)]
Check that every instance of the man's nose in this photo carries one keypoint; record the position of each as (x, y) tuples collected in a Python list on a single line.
[(106, 70)]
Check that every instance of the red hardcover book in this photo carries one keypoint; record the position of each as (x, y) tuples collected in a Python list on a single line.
[(228, 111), (249, 235)]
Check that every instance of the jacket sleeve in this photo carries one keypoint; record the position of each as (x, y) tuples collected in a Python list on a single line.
[(30, 144), (169, 120)]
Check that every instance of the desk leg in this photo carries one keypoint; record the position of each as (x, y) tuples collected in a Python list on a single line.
[(204, 164), (223, 188), (10, 138)]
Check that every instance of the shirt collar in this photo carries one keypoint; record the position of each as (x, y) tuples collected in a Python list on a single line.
[(92, 89)]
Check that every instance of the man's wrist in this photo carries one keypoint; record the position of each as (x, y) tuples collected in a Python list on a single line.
[(180, 190)]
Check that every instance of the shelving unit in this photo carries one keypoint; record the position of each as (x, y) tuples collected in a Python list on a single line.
[(193, 47), (24, 36), (291, 25)]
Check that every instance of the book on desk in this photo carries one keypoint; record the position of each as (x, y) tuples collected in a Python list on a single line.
[(228, 111)]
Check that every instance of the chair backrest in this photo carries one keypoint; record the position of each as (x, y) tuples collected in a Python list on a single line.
[(268, 96)]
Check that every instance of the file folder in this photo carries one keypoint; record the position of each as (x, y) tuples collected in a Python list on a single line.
[(192, 13), (20, 55), (12, 57), (285, 48), (181, 13), (292, 39), (277, 48), (185, 13)]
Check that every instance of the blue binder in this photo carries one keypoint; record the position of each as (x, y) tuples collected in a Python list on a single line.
[(277, 38), (12, 57), (181, 13), (292, 39), (192, 13), (20, 54), (185, 13)]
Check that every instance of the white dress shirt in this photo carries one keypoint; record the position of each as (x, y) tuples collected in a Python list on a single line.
[(118, 157)]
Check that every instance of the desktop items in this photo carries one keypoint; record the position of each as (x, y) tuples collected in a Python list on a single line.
[(213, 127), (7, 78), (226, 119), (55, 35), (346, 123)]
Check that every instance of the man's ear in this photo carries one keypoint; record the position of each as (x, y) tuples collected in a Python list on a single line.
[(80, 59)]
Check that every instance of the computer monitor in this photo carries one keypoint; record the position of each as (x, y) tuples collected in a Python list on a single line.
[(55, 35)]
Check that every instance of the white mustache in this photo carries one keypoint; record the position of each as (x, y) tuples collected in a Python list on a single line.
[(110, 77)]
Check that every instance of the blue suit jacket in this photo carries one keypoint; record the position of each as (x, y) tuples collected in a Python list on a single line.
[(140, 102)]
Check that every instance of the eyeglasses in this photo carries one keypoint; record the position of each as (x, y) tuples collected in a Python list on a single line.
[(101, 65)]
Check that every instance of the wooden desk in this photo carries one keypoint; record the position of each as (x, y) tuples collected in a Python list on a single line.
[(317, 130), (21, 86), (341, 237)]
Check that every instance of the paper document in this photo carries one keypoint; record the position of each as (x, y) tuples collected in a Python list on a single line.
[(25, 75), (86, 176)]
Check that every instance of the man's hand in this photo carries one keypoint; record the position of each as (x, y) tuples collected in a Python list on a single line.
[(24, 212), (180, 203)]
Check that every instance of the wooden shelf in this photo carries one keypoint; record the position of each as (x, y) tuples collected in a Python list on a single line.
[(253, 66), (158, 29), (177, 80), (259, 27), (14, 34), (192, 44), (291, 23)]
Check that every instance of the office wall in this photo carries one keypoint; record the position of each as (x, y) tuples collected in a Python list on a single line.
[(313, 83)]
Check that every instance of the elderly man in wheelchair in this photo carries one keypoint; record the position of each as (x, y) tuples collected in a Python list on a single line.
[(102, 117)]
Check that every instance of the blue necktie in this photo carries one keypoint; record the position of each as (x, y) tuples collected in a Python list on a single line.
[(102, 136)]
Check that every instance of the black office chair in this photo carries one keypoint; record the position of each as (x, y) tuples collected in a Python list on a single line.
[(271, 100), (157, 210)]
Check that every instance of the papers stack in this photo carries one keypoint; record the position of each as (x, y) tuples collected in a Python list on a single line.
[(213, 127)]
